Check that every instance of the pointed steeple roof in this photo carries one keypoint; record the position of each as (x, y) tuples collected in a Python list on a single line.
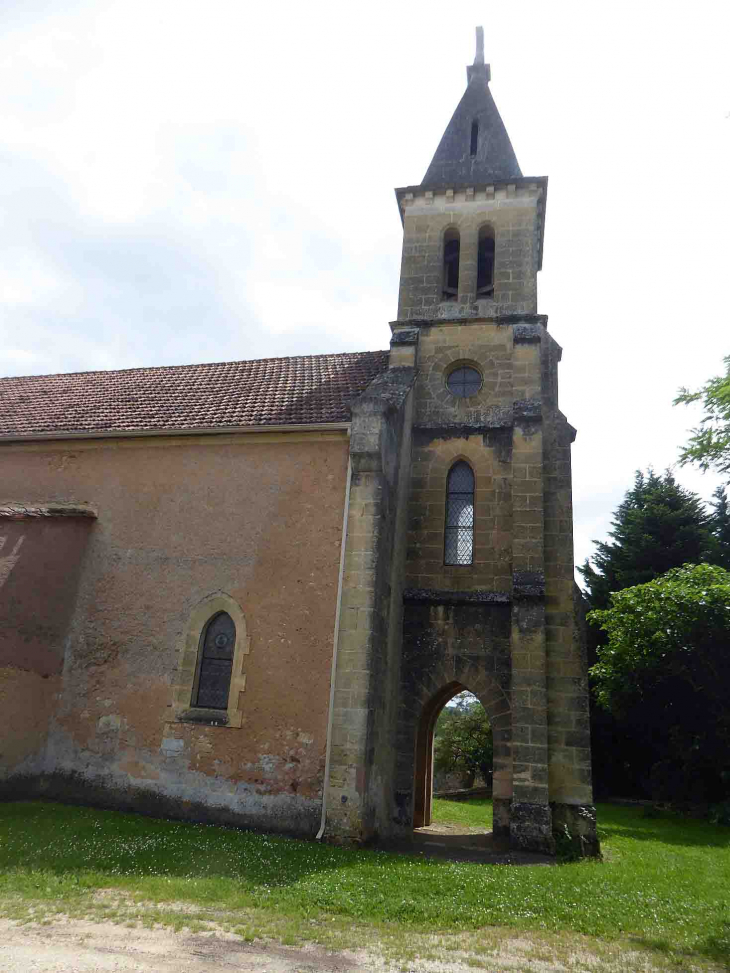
[(475, 148)]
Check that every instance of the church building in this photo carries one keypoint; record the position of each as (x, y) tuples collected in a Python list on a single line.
[(243, 592)]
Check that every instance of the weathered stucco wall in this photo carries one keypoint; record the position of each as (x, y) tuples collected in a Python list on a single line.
[(34, 620), (257, 517)]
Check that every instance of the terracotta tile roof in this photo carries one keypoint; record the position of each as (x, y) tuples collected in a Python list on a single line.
[(270, 391)]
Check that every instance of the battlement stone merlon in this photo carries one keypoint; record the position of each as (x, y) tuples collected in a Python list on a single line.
[(509, 192)]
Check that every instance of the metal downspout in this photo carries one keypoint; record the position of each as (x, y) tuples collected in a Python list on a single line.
[(336, 637)]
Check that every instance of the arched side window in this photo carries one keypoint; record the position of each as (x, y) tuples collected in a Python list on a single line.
[(215, 663), (485, 262), (474, 138), (209, 681), (459, 533), (450, 284)]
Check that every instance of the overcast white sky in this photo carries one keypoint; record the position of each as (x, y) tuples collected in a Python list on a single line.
[(187, 181)]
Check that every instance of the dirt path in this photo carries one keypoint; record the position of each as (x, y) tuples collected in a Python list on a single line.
[(83, 946), (79, 946)]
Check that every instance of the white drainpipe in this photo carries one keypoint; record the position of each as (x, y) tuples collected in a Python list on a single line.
[(336, 637)]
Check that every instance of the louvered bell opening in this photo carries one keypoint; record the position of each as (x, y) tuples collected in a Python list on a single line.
[(459, 538), (216, 663)]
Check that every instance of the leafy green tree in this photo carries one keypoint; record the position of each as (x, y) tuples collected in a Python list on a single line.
[(463, 740), (720, 527), (659, 525), (665, 675), (709, 443)]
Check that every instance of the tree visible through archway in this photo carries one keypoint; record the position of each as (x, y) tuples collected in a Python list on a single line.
[(463, 747), (454, 748)]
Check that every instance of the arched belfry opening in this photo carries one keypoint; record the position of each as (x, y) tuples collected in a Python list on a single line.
[(450, 280), (462, 737), (485, 262)]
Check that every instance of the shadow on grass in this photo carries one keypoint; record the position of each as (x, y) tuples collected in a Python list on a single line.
[(665, 828), (52, 850), (713, 947), (61, 839)]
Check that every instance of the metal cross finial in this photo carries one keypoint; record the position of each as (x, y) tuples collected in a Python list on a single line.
[(479, 59)]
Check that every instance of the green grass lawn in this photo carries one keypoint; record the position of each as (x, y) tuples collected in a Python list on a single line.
[(474, 813), (664, 885)]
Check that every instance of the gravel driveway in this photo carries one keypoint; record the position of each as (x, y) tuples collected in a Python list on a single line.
[(79, 946)]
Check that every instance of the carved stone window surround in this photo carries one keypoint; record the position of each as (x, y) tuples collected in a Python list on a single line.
[(183, 711)]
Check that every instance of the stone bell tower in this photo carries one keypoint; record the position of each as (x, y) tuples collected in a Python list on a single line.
[(462, 489)]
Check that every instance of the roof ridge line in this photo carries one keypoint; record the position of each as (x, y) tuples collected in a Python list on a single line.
[(153, 368)]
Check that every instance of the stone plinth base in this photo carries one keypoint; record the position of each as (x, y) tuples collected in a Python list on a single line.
[(530, 828), (500, 825), (575, 825)]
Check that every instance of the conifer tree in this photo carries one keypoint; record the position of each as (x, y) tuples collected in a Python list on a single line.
[(659, 525), (720, 527)]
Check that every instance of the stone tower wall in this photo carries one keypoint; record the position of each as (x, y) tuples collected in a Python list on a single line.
[(567, 683), (511, 210)]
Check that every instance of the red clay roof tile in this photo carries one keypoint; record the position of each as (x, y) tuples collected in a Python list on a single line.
[(270, 391)]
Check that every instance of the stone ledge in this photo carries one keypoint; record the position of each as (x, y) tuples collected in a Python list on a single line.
[(406, 336), (210, 718), (524, 334), (526, 319), (12, 510), (434, 596), (527, 409)]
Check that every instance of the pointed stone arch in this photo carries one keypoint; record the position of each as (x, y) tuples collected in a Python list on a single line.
[(448, 649), (183, 707), (496, 706)]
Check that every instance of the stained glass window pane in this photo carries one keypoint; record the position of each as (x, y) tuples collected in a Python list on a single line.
[(461, 479), (459, 533), (459, 545), (216, 662), (460, 511), (464, 381)]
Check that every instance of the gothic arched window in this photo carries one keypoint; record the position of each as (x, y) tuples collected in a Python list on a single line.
[(450, 285), (474, 142), (459, 533), (215, 663), (485, 262)]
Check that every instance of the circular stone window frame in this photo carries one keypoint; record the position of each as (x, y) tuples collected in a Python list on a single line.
[(454, 367)]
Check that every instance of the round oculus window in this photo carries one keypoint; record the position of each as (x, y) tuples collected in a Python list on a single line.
[(464, 381)]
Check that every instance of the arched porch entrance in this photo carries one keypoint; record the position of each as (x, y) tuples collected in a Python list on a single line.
[(424, 760), (447, 649)]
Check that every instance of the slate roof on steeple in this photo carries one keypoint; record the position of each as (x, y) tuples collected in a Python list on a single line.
[(494, 159)]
